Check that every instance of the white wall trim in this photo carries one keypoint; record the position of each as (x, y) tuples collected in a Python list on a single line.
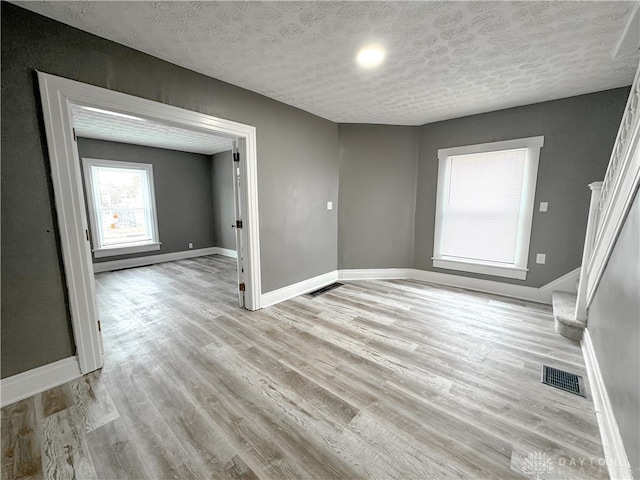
[(300, 288), (528, 142), (152, 259), (542, 294), (225, 252), (128, 250), (374, 273), (614, 452), (476, 267), (32, 382)]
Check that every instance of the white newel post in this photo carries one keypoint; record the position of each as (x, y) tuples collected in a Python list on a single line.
[(592, 224)]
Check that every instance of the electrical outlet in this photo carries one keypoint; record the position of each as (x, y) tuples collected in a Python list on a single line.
[(190, 245), (544, 206), (541, 258), (329, 205)]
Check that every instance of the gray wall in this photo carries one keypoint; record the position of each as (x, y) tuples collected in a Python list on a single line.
[(182, 185), (614, 327), (223, 205), (377, 195), (579, 133), (297, 174)]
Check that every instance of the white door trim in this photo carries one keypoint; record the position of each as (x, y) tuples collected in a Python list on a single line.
[(58, 95), (238, 201)]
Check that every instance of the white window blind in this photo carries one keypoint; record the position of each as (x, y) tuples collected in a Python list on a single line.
[(483, 207)]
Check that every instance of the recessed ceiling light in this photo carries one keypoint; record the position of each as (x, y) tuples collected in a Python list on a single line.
[(370, 56)]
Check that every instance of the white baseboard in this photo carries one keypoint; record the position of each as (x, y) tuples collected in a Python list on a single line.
[(226, 252), (151, 259), (300, 288), (614, 452), (374, 273), (37, 380)]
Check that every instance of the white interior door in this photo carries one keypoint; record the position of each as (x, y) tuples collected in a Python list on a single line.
[(237, 201)]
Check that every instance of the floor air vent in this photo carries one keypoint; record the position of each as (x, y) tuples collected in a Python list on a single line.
[(322, 290), (569, 382)]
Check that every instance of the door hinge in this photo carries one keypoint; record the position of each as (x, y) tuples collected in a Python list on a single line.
[(99, 326), (241, 287), (86, 231), (238, 223), (236, 157), (75, 139)]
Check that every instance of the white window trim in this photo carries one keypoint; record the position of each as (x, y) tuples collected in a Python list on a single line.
[(137, 247), (519, 269)]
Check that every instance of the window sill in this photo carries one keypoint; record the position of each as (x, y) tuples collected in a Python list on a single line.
[(483, 268), (125, 250)]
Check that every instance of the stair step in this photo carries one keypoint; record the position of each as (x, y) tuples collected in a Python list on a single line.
[(564, 308)]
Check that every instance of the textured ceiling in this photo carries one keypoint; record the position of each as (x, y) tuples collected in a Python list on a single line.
[(444, 59), (126, 129)]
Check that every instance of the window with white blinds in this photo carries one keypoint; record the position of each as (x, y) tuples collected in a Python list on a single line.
[(485, 207)]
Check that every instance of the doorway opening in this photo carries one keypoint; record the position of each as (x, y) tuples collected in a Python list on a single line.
[(59, 97)]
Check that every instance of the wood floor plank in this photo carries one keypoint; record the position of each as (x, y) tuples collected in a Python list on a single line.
[(270, 450), (375, 379), (93, 401), (236, 469), (159, 449), (65, 453), (202, 439), (54, 401), (270, 404), (114, 454), (21, 452)]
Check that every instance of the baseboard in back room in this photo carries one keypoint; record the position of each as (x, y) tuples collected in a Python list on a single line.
[(226, 252), (163, 257)]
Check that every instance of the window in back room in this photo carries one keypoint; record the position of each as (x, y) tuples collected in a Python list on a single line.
[(122, 209)]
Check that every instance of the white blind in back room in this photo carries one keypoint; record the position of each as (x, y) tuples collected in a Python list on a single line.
[(482, 211)]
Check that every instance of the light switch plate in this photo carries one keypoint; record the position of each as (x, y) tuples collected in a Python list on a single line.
[(329, 205), (544, 206), (541, 258)]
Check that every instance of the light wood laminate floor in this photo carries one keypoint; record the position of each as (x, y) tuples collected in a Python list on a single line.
[(376, 379)]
